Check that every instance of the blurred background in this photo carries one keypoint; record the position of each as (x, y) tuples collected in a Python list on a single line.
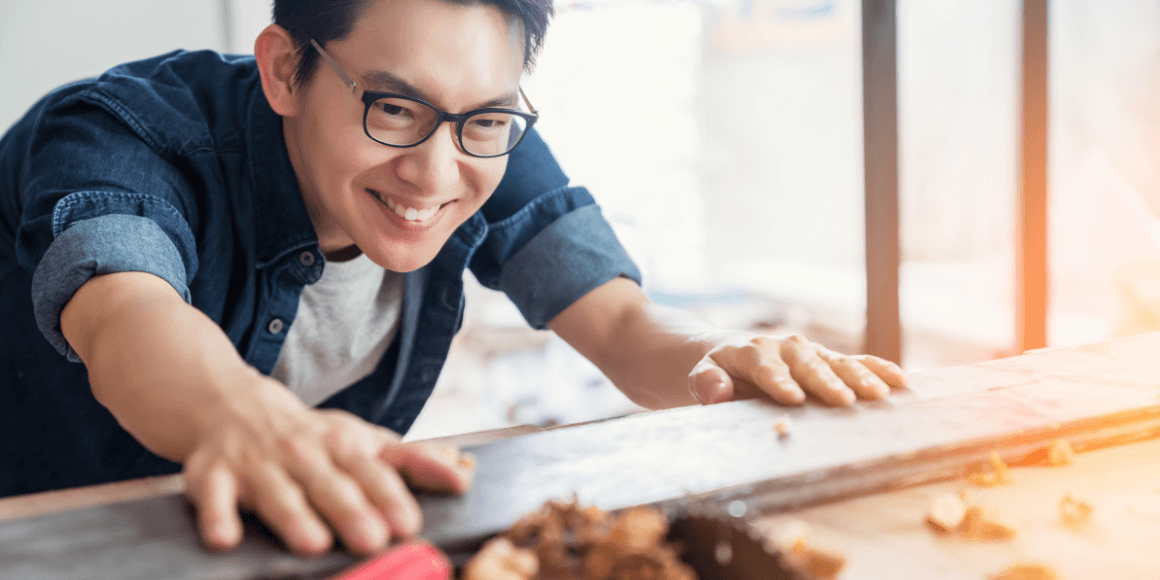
[(723, 139)]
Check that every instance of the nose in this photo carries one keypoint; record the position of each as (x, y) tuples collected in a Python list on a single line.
[(433, 165)]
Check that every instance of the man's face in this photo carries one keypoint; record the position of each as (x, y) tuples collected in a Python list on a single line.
[(454, 57)]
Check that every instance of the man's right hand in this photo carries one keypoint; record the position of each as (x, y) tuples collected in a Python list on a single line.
[(175, 382), (307, 472)]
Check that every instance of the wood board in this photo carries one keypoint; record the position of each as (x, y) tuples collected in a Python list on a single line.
[(731, 450)]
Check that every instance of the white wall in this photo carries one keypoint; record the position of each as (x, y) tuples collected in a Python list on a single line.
[(46, 44)]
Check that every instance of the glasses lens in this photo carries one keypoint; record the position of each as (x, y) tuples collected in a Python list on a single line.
[(400, 122), (488, 134)]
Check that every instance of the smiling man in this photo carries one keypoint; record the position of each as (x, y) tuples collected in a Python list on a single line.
[(259, 262)]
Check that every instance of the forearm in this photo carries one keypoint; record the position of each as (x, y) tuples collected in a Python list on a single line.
[(161, 367), (645, 349)]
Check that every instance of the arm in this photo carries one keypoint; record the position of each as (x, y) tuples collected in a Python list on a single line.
[(662, 357), (173, 379)]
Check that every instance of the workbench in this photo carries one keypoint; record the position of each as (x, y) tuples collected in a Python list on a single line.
[(861, 478)]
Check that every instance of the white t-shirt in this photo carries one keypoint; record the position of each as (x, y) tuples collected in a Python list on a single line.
[(345, 322)]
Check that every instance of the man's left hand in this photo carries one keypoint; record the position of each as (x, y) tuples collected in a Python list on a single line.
[(786, 369)]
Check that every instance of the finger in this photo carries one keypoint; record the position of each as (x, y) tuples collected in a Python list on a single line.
[(282, 504), (382, 485), (431, 467), (856, 376), (759, 362), (886, 370), (335, 495), (814, 375), (215, 493), (709, 383)]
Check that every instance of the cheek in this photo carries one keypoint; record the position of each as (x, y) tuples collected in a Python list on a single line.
[(487, 177)]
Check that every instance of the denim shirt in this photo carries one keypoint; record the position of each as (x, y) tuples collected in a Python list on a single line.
[(177, 166)]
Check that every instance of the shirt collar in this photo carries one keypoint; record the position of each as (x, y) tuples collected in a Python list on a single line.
[(281, 224)]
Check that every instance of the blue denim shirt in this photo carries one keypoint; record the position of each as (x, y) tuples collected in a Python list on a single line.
[(177, 166)]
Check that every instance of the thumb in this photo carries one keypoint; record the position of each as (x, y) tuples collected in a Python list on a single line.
[(709, 383)]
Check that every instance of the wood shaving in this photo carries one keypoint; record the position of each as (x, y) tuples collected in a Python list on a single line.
[(1026, 572), (946, 513), (986, 523), (998, 475), (500, 560), (1074, 514), (573, 542)]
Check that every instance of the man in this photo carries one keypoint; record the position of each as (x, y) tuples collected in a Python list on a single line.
[(259, 262)]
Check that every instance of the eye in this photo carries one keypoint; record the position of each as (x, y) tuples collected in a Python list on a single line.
[(390, 108), (488, 123)]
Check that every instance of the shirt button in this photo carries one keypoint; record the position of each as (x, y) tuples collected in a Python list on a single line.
[(307, 258), (275, 326)]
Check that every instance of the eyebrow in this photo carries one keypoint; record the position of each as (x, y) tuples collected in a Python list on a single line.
[(386, 80)]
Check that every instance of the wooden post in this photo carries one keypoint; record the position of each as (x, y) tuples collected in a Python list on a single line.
[(1031, 255), (880, 157)]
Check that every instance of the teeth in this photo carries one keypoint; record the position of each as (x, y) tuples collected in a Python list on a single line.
[(409, 213)]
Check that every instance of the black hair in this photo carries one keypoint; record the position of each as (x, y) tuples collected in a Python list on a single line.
[(327, 20)]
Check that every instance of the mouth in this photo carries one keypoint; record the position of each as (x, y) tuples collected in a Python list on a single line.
[(410, 214)]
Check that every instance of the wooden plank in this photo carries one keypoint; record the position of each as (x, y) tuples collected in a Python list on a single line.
[(880, 159), (1032, 281), (953, 414), (661, 457)]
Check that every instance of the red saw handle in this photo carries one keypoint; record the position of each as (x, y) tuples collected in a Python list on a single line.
[(411, 561)]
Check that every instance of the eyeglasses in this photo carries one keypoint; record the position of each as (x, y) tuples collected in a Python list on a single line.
[(400, 121)]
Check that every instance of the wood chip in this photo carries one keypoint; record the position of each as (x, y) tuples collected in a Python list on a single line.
[(783, 427), (1030, 571), (946, 513), (1074, 514), (1060, 453), (998, 475)]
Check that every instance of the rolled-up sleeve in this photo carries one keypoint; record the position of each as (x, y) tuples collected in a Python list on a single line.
[(565, 261), (550, 253), (99, 197), (102, 245)]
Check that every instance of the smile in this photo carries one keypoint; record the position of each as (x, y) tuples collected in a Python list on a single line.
[(408, 213)]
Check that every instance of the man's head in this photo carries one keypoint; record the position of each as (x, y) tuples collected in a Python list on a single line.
[(397, 204), (327, 20)]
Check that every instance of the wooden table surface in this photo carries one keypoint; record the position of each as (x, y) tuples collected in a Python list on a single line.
[(860, 477)]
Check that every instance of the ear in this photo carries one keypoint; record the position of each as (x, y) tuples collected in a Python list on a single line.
[(277, 60)]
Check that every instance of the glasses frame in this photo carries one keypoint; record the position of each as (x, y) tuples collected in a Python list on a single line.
[(370, 97)]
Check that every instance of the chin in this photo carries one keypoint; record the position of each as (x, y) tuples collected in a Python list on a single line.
[(402, 264)]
